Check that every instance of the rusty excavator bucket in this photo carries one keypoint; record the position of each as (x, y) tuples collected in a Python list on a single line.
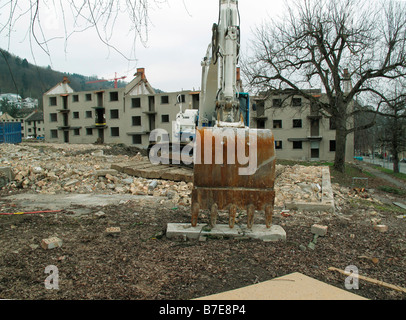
[(234, 168)]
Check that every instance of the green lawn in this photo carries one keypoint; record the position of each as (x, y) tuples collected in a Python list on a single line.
[(389, 171)]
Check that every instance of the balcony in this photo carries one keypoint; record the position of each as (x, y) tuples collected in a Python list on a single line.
[(315, 138), (259, 114), (64, 127), (150, 112), (63, 110), (100, 124)]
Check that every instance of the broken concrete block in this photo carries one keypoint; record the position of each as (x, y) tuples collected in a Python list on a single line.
[(111, 178), (113, 231), (103, 173), (319, 230), (311, 246), (7, 172), (302, 247), (71, 182), (3, 181), (6, 175), (98, 153), (153, 185), (381, 228), (51, 243), (36, 170)]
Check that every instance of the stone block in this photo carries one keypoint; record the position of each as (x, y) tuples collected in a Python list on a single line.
[(260, 232), (113, 231), (381, 228), (319, 230), (51, 243), (6, 175), (7, 172)]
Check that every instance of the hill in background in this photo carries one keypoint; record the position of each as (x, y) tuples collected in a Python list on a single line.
[(19, 76)]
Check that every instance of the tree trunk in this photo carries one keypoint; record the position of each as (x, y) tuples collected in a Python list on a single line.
[(396, 135), (341, 141), (396, 164)]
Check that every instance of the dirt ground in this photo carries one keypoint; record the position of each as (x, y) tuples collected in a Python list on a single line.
[(141, 263)]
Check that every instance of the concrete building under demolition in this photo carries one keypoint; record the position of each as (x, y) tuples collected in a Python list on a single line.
[(128, 115), (118, 115), (301, 130)]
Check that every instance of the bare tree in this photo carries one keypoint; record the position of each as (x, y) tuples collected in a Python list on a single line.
[(77, 16), (393, 112), (316, 41)]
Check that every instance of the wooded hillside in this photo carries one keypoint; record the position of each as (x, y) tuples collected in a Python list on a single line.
[(19, 76)]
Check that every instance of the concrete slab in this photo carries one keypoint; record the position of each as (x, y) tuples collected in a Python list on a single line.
[(120, 167), (178, 174), (295, 286), (400, 205), (327, 196), (7, 172), (147, 170), (185, 230), (6, 175), (67, 201)]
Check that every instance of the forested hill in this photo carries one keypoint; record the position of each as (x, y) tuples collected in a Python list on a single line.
[(17, 75)]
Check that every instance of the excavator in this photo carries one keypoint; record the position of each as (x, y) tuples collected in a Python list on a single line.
[(234, 165)]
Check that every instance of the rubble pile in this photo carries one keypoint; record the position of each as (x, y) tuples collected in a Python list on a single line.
[(297, 183), (54, 169), (68, 168)]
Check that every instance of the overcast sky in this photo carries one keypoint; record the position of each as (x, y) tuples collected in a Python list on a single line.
[(178, 36)]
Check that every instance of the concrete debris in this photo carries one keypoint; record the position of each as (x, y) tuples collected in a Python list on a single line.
[(51, 243), (153, 185), (113, 231), (319, 230), (103, 173), (381, 228), (6, 175), (61, 169), (297, 184), (312, 245), (68, 168)]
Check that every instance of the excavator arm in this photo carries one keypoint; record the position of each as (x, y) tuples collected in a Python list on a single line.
[(220, 90), (234, 166)]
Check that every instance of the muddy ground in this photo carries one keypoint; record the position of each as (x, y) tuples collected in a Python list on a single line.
[(141, 263)]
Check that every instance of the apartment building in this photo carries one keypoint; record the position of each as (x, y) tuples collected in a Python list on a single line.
[(301, 131), (32, 126), (118, 115)]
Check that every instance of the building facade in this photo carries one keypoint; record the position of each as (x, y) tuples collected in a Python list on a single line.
[(301, 131), (118, 115), (32, 126), (128, 115)]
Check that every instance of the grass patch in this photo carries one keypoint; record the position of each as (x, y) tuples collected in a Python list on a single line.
[(399, 175), (391, 190), (346, 178), (380, 207)]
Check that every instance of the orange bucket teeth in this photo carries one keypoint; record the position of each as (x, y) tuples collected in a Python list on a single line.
[(233, 168)]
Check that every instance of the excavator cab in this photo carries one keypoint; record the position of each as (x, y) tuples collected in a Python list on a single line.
[(234, 165)]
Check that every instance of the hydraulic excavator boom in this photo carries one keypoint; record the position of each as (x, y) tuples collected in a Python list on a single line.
[(234, 166)]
